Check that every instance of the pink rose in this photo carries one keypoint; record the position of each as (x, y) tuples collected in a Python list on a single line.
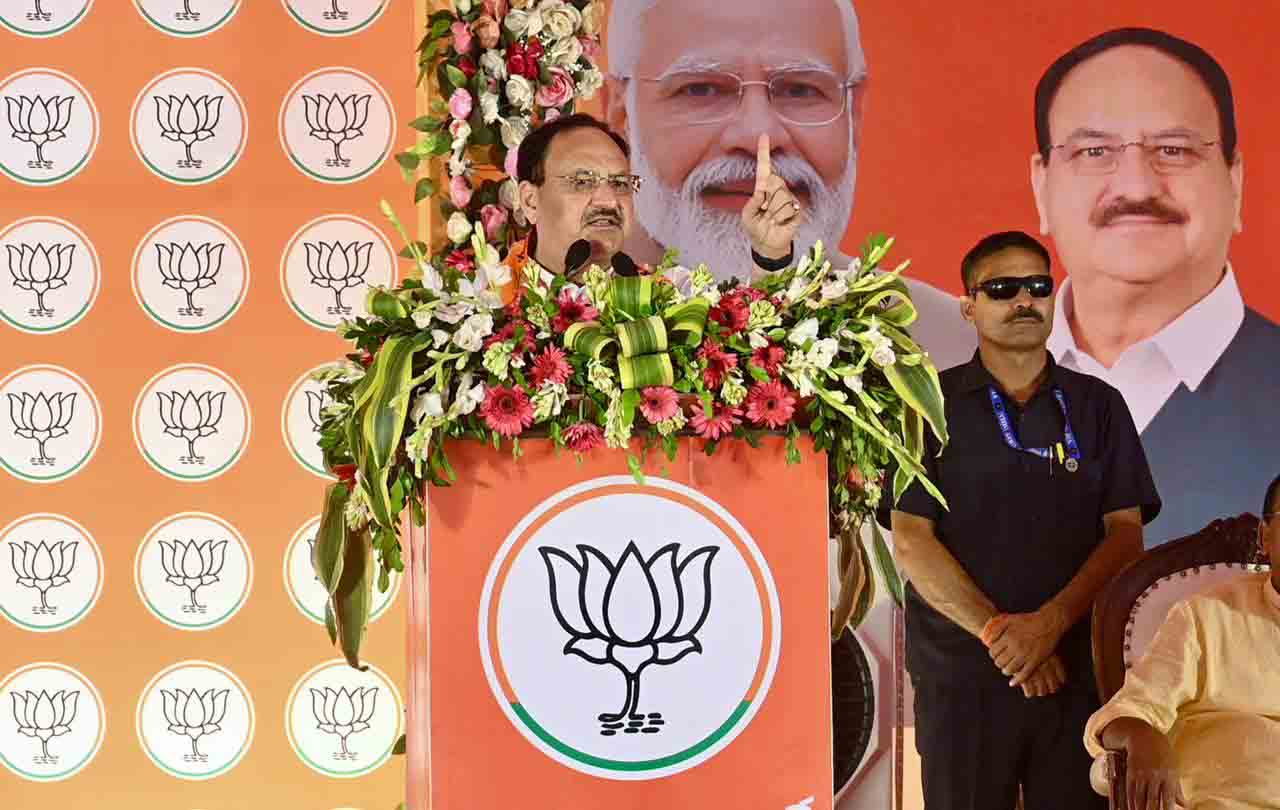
[(493, 217), (461, 36), (590, 47), (559, 92), (550, 115), (459, 191), (511, 165), (487, 31), (460, 104)]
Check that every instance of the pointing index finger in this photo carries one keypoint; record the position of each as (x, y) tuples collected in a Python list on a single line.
[(764, 167)]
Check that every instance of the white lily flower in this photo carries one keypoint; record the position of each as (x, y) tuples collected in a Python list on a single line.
[(427, 404), (757, 339), (439, 337), (469, 396), (804, 331), (823, 352), (422, 317)]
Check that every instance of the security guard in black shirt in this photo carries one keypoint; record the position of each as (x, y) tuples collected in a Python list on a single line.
[(1048, 489)]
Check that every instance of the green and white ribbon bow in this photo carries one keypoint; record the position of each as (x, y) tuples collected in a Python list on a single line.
[(642, 335)]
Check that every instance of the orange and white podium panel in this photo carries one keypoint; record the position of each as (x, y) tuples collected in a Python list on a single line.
[(582, 641)]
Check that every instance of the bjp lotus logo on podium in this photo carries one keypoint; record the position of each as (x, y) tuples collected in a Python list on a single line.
[(629, 632), (631, 614)]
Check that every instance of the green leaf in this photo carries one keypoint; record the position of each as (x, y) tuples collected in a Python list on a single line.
[(330, 623), (671, 446), (457, 79), (637, 471), (921, 390), (758, 374), (331, 538), (885, 563), (424, 189), (353, 600), (425, 123), (408, 160), (868, 594), (630, 400)]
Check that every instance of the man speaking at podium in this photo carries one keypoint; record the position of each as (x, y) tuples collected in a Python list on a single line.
[(577, 190)]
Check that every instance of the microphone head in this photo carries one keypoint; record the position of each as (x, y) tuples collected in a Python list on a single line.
[(577, 255), (624, 265)]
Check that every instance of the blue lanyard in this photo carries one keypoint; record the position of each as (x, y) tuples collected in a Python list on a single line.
[(1011, 438)]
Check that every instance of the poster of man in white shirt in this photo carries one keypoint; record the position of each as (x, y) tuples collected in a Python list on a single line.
[(693, 107), (1138, 179)]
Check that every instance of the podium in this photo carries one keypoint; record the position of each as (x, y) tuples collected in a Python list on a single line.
[(580, 640)]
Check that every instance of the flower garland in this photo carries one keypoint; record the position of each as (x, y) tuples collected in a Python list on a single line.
[(502, 68)]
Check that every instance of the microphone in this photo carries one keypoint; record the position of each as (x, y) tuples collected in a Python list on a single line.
[(624, 265), (577, 255)]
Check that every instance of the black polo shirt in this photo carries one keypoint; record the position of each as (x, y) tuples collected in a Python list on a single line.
[(1020, 527)]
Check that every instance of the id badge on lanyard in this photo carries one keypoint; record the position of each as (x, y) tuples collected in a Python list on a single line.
[(1069, 459)]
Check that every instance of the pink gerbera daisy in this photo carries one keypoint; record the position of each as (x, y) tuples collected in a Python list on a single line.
[(721, 423), (584, 437), (769, 358), (770, 404), (461, 261), (658, 403), (526, 343), (550, 366), (573, 308), (719, 364), (733, 313), (507, 411)]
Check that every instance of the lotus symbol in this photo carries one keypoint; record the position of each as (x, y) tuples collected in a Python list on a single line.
[(43, 566), (189, 268), (188, 416), (336, 14), (45, 716), (630, 614), (39, 121), (337, 120), (315, 404), (41, 417), (192, 565), (344, 712), (192, 714), (338, 267), (188, 121), (40, 268)]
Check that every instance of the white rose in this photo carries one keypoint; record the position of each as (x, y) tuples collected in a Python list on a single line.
[(452, 313), (422, 317), (520, 92), (565, 52), (883, 356), (494, 63), (458, 164), (590, 81), (803, 331), (462, 6), (560, 18), (509, 194), (461, 131), (592, 17), (439, 337), (428, 404), (458, 228), (514, 131), (517, 21), (489, 107), (467, 339), (481, 322)]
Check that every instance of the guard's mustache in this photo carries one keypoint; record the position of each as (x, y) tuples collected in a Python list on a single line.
[(1024, 312)]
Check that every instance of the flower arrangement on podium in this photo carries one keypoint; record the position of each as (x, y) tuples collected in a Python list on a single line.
[(501, 67), (604, 363)]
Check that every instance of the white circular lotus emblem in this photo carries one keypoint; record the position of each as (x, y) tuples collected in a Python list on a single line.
[(187, 18), (42, 18), (191, 422), (50, 127), (337, 125), (54, 572), (300, 421), (329, 265), (629, 632), (193, 571), (305, 590), (343, 722), (336, 18), (50, 423), (54, 722), (189, 126), (195, 720), (54, 275), (190, 274)]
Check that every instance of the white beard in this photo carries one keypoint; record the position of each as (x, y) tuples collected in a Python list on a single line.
[(680, 219)]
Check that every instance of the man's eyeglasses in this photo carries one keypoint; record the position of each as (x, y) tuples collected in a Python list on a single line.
[(1167, 155), (586, 182), (807, 98), (1005, 288)]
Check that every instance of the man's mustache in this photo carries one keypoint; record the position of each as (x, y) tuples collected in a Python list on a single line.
[(1024, 312), (610, 215), (1150, 207)]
